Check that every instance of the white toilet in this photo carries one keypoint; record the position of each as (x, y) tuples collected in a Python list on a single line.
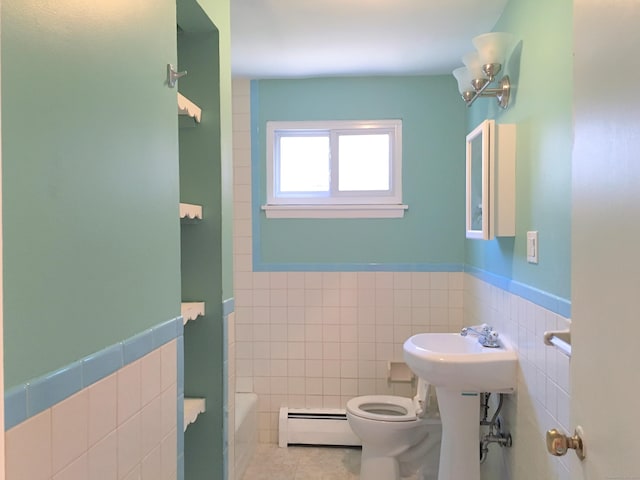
[(399, 435)]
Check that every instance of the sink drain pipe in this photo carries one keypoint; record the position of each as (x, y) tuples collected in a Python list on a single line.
[(495, 435)]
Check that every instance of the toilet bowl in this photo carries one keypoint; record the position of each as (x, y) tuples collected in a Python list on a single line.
[(399, 435)]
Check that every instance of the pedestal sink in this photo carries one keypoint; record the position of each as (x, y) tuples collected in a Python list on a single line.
[(460, 369)]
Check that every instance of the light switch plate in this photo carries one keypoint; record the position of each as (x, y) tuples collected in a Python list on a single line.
[(532, 247)]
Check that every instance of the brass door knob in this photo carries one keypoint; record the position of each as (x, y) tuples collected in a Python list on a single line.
[(558, 443)]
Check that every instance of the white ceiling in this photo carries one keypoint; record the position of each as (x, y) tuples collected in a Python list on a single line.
[(312, 38)]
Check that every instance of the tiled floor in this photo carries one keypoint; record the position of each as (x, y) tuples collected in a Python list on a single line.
[(271, 462)]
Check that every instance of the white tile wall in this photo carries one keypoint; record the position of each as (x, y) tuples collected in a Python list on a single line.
[(242, 247), (329, 336), (122, 427), (542, 400), (231, 396)]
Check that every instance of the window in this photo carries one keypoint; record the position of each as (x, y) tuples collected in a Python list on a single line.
[(334, 169)]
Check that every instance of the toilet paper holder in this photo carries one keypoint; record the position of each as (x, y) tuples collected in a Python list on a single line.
[(399, 372)]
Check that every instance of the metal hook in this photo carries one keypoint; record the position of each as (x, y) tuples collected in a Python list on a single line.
[(173, 75)]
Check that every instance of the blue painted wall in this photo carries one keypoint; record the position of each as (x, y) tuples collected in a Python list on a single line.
[(431, 236), (432, 231), (542, 67)]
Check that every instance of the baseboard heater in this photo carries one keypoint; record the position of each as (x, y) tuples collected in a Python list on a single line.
[(318, 426)]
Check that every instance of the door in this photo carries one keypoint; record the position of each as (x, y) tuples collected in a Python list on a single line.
[(605, 367)]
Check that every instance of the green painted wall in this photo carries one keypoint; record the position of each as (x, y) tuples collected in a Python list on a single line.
[(432, 230), (205, 169), (220, 12), (542, 111), (90, 178), (201, 254)]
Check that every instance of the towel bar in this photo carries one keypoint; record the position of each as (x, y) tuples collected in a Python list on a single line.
[(561, 339)]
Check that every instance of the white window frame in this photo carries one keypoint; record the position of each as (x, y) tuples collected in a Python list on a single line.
[(366, 204)]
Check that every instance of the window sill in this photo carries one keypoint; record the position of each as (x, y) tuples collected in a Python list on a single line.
[(334, 211)]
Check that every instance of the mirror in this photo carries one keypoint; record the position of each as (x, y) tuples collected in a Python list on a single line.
[(491, 181), (478, 181)]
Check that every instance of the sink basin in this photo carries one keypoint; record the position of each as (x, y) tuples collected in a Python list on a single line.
[(454, 362), (460, 369)]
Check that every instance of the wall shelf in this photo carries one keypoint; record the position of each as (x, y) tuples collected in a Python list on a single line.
[(192, 408), (191, 310), (188, 108), (190, 211)]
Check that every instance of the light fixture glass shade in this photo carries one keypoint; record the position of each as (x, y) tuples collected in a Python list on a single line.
[(493, 47), (473, 63), (464, 77)]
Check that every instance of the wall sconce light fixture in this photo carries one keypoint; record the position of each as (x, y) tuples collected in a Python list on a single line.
[(483, 66)]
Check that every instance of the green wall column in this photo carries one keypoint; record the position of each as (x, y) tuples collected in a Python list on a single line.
[(201, 245), (220, 12)]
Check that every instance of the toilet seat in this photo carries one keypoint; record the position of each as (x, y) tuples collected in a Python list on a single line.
[(387, 408)]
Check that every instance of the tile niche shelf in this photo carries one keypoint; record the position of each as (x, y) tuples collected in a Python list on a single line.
[(187, 108), (191, 310), (190, 211), (192, 408)]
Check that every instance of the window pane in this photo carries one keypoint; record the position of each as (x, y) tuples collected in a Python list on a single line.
[(304, 164), (364, 162)]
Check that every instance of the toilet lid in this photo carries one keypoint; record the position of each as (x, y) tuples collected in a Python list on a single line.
[(386, 408)]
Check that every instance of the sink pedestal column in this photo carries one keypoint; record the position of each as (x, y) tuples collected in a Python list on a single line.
[(460, 448)]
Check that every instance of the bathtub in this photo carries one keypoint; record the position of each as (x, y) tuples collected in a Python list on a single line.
[(246, 431)]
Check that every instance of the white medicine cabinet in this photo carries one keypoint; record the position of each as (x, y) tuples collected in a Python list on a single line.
[(490, 172)]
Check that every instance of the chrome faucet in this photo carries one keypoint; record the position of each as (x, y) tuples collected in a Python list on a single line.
[(487, 336)]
